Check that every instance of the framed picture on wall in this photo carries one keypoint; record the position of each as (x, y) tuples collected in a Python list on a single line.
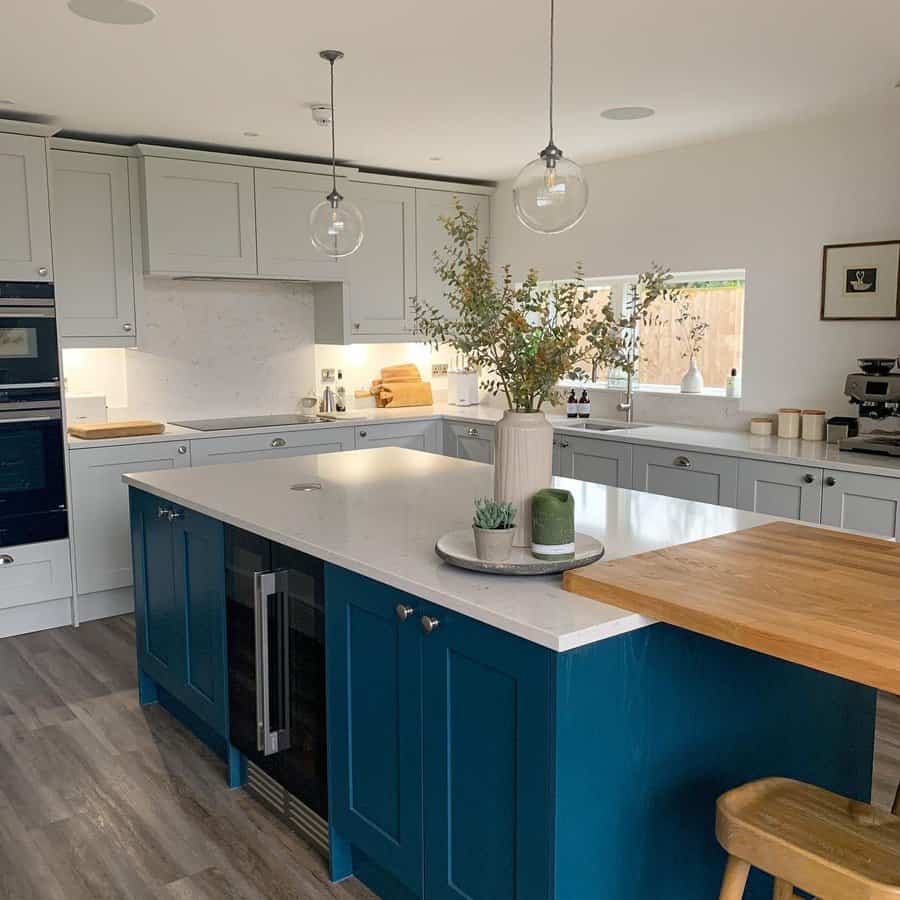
[(861, 281)]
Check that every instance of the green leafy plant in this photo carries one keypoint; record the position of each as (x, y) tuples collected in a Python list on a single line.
[(491, 515), (526, 338), (693, 326), (614, 341)]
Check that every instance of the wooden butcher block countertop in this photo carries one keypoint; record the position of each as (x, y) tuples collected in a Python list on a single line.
[(824, 599)]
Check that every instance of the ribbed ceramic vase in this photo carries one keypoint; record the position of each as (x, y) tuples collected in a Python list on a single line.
[(523, 465)]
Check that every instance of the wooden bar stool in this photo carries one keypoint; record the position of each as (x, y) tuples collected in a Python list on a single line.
[(809, 838)]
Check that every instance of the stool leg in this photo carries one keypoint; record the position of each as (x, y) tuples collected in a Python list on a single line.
[(735, 879), (783, 890)]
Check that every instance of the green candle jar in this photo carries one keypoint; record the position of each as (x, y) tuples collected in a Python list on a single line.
[(553, 525)]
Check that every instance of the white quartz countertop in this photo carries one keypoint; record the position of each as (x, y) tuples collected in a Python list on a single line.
[(380, 511), (708, 440)]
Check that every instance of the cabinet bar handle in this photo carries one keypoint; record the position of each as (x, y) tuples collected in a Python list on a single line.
[(268, 586), (682, 462), (278, 442), (6, 560), (429, 624)]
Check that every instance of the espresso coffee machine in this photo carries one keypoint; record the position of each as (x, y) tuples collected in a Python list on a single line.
[(876, 390)]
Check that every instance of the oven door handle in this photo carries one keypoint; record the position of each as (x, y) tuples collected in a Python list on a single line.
[(268, 586), (27, 312)]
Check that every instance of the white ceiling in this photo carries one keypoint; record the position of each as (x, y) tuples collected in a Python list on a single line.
[(464, 80)]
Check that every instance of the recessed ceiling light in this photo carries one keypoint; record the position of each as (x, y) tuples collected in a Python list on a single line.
[(435, 158), (251, 134), (627, 113), (113, 12)]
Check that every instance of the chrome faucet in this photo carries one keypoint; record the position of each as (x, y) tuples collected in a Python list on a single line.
[(626, 404)]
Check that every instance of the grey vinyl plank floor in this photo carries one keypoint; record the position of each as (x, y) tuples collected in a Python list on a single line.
[(102, 798)]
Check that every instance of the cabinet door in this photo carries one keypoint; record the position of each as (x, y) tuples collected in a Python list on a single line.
[(91, 213), (431, 237), (413, 435), (199, 583), (776, 489), (382, 272), (466, 440), (210, 451), (200, 218), (487, 780), (373, 681), (867, 503), (284, 201), (691, 476), (592, 459), (160, 646), (25, 223), (100, 507)]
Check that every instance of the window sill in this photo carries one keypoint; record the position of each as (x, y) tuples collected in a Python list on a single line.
[(658, 390)]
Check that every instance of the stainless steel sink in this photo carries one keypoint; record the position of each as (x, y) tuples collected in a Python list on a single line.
[(601, 426)]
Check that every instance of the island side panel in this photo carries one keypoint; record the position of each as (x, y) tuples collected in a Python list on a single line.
[(653, 725)]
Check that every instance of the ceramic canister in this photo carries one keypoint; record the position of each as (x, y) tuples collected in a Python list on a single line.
[(553, 524), (788, 423)]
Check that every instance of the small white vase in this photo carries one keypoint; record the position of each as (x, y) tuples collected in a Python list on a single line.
[(692, 383), (523, 465)]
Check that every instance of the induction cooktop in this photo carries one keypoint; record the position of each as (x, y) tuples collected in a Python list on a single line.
[(251, 422)]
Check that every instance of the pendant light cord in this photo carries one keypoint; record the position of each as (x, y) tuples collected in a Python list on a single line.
[(333, 162), (552, 32)]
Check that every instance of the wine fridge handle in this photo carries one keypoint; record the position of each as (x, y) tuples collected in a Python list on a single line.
[(266, 585)]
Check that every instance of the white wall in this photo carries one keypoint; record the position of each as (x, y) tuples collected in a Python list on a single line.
[(766, 202), (207, 349)]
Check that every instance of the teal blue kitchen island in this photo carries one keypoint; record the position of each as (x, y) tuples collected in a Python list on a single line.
[(487, 738)]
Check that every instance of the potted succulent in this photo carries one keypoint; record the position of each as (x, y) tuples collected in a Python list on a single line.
[(523, 337), (494, 524)]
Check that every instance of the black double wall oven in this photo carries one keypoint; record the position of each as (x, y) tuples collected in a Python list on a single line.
[(276, 676), (32, 467)]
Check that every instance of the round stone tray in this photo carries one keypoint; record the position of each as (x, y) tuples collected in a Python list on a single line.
[(458, 549)]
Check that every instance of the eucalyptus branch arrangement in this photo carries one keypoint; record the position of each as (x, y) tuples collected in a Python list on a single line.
[(693, 328), (526, 338), (614, 341)]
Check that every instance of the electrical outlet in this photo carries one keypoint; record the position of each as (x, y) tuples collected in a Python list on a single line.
[(327, 374), (438, 370)]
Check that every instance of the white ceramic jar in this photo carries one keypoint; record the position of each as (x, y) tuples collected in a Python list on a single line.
[(813, 428), (761, 426), (789, 423)]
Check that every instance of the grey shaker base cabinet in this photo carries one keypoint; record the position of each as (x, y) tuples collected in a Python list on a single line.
[(778, 489), (686, 474), (869, 503), (469, 440), (597, 461), (421, 435), (247, 448)]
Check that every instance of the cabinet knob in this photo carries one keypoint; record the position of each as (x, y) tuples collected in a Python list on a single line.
[(429, 624), (563, 444), (43, 271), (808, 479), (175, 514), (128, 327), (162, 512), (472, 432), (356, 326), (830, 482), (278, 442), (403, 612), (682, 462), (363, 433), (182, 449), (6, 560)]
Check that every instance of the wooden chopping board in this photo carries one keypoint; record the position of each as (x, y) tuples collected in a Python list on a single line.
[(95, 431), (824, 599)]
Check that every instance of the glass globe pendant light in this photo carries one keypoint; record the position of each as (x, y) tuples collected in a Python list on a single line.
[(335, 224), (550, 193)]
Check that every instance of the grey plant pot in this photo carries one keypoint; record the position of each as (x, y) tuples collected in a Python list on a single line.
[(493, 544)]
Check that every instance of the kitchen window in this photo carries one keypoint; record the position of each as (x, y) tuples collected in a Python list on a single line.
[(716, 296)]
